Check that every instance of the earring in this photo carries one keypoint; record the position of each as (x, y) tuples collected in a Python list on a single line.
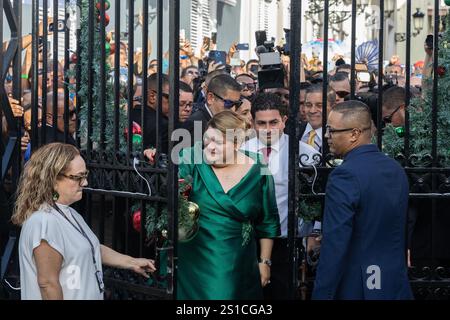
[(55, 196)]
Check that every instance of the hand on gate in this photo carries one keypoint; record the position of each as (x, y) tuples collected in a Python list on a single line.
[(24, 142), (150, 154), (312, 243), (16, 108), (142, 266)]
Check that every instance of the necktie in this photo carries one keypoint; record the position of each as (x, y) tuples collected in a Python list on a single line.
[(311, 139), (266, 153)]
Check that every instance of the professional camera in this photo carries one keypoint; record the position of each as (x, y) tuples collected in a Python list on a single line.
[(271, 73)]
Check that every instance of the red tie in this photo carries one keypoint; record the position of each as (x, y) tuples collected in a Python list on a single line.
[(266, 153)]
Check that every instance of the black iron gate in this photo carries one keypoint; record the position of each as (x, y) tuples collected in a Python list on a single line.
[(123, 187), (428, 172), (121, 183)]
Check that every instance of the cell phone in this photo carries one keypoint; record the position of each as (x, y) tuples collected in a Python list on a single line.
[(363, 76), (261, 37), (254, 69), (182, 36), (61, 26), (429, 41), (218, 57), (214, 37), (242, 46), (207, 42)]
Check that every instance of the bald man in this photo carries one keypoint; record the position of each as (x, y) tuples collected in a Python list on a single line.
[(363, 248), (60, 120)]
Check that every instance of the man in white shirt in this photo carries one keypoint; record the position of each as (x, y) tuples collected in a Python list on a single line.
[(270, 116), (312, 134)]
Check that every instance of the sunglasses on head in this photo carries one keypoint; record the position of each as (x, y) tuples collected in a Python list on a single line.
[(228, 104)]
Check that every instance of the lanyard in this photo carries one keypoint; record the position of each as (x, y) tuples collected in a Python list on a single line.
[(98, 274), (80, 230)]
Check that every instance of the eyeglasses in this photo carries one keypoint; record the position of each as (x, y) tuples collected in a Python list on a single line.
[(248, 86), (329, 131), (281, 95), (80, 178), (228, 104), (184, 104), (388, 119), (342, 94)]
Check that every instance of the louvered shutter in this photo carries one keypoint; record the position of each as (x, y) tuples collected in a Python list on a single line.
[(200, 22)]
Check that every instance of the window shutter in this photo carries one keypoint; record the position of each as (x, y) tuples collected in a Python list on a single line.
[(200, 23)]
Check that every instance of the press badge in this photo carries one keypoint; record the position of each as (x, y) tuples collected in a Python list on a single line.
[(99, 277)]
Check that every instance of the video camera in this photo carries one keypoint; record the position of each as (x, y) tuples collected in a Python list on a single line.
[(271, 71)]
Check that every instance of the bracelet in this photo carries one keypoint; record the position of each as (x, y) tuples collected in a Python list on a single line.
[(24, 76), (265, 261)]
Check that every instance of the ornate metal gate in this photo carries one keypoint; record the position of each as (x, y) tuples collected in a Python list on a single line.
[(428, 172), (121, 184)]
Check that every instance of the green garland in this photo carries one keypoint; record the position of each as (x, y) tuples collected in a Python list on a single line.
[(109, 94), (157, 223), (420, 112)]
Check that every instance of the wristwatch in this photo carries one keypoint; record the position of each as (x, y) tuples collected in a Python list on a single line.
[(265, 261)]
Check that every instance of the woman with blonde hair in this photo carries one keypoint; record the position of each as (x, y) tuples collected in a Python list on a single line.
[(237, 203), (60, 257)]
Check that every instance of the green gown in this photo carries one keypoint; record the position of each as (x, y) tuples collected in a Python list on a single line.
[(221, 262)]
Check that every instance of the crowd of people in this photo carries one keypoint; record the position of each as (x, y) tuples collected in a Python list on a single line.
[(241, 249)]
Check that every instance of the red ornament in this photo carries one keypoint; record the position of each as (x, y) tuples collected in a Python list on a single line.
[(136, 130), (99, 18), (98, 5), (441, 71), (187, 188), (74, 58), (137, 220)]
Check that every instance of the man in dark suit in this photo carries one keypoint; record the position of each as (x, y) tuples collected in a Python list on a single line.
[(364, 241), (150, 133), (223, 92)]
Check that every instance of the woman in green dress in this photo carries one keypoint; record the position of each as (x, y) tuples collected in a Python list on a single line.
[(237, 208)]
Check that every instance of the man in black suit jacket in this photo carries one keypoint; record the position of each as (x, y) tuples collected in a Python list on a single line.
[(150, 134), (223, 92)]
